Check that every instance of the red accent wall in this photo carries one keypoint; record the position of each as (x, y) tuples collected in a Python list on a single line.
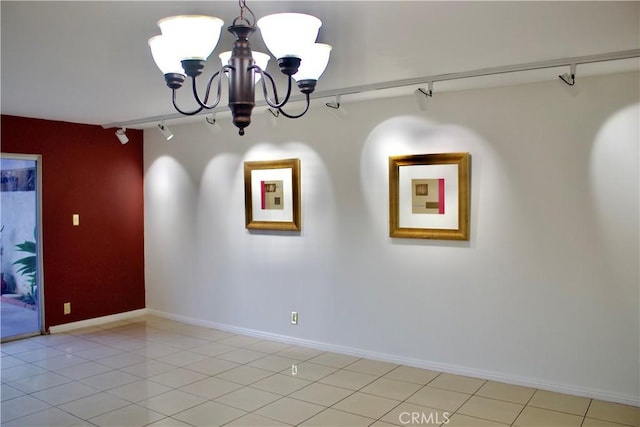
[(99, 265)]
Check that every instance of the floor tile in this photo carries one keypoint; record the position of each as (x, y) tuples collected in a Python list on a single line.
[(65, 393), (372, 367), (446, 400), (138, 390), (109, 380), (459, 420), (537, 417), (9, 392), (130, 416), (171, 402), (210, 414), (269, 346), (20, 407), (290, 411), (348, 379), (413, 375), (210, 388), (392, 389), (212, 366), (84, 370), (560, 402), (366, 405), (121, 360), (148, 369), (36, 383), (169, 422), (281, 384), (274, 363), (245, 375), (331, 417), (248, 399), (333, 360), (213, 349), (458, 383), (242, 356), (94, 405), (178, 377), (300, 353), (254, 420), (309, 371), (98, 352), (60, 362), (182, 358), (23, 371), (38, 354), (10, 362), (239, 341), (614, 412), (491, 409), (20, 346), (593, 422), (416, 415), (508, 392), (321, 394), (155, 350), (49, 417)]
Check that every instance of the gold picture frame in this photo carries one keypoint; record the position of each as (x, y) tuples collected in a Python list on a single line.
[(429, 196), (272, 195)]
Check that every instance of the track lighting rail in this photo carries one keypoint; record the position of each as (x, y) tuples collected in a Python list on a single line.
[(332, 93)]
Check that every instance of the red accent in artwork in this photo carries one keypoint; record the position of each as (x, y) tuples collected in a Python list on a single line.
[(263, 195), (98, 266), (441, 196)]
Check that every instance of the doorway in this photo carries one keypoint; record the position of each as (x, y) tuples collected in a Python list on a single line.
[(21, 297)]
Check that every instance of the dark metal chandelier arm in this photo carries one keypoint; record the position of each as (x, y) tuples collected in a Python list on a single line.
[(271, 103), (185, 113), (290, 116), (203, 103)]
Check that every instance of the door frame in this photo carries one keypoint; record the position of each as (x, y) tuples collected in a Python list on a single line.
[(39, 238)]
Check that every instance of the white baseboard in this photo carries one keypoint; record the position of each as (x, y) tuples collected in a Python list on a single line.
[(97, 321), (417, 363)]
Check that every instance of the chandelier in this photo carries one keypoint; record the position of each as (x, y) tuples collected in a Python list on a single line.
[(188, 40)]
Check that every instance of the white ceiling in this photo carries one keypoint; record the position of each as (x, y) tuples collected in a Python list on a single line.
[(88, 61)]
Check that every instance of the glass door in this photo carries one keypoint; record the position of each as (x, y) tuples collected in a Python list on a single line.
[(20, 246)]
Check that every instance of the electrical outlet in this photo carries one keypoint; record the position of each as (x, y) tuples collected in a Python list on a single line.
[(67, 308), (294, 317)]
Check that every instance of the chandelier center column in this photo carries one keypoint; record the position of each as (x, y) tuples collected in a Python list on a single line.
[(241, 77)]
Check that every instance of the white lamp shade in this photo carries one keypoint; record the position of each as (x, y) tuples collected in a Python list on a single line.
[(165, 56), (314, 62), (289, 34), (192, 36), (261, 60)]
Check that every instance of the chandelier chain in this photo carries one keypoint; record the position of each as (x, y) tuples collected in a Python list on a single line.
[(243, 9)]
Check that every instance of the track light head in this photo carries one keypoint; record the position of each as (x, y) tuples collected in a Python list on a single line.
[(165, 131), (122, 136)]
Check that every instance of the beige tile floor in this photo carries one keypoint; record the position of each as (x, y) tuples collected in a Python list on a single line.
[(156, 372)]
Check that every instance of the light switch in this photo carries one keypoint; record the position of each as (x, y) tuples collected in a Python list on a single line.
[(76, 219)]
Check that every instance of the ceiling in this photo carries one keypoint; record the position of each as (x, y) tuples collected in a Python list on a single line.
[(88, 61)]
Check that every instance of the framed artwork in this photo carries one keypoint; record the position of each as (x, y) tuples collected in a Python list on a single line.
[(272, 195), (429, 196)]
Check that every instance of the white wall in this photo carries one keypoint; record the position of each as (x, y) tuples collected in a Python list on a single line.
[(544, 294)]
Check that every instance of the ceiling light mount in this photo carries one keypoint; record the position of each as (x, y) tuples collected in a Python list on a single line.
[(569, 78), (187, 40)]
